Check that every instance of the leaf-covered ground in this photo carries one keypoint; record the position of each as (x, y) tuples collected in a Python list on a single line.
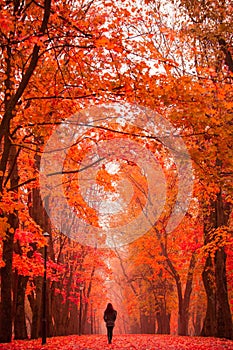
[(141, 342)]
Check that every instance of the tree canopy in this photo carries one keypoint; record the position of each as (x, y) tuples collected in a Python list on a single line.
[(116, 139)]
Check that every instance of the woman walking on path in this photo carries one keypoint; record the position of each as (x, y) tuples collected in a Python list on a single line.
[(110, 317)]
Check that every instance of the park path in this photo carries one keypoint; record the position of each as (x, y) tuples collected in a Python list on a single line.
[(120, 342)]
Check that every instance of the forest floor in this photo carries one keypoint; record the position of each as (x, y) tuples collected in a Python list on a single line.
[(130, 342)]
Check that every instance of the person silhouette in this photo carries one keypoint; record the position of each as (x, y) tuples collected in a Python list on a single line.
[(110, 316)]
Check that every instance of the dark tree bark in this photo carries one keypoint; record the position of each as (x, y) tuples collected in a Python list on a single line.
[(226, 51), (73, 322), (7, 254), (20, 329), (6, 284), (8, 168), (223, 312), (163, 322), (183, 300), (147, 324), (38, 213), (218, 319), (197, 324), (183, 321), (40, 216), (36, 306), (209, 326)]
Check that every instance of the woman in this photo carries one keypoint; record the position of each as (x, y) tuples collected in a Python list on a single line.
[(110, 317)]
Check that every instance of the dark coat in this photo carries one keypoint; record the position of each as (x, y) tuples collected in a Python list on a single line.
[(110, 318)]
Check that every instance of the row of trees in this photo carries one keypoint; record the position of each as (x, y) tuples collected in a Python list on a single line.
[(57, 58), (164, 269), (53, 61)]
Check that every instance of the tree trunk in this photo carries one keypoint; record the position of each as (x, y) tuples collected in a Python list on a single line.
[(183, 301), (209, 326), (73, 326), (163, 322), (20, 329), (197, 324), (57, 312), (218, 320), (223, 312), (183, 316), (8, 168), (39, 215), (183, 323), (36, 306), (183, 320), (7, 253), (6, 284)]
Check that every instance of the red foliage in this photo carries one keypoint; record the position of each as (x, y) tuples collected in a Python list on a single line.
[(132, 341)]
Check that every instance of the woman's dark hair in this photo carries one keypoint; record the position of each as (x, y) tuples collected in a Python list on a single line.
[(109, 307)]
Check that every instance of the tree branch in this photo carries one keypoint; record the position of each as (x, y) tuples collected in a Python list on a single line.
[(27, 76)]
